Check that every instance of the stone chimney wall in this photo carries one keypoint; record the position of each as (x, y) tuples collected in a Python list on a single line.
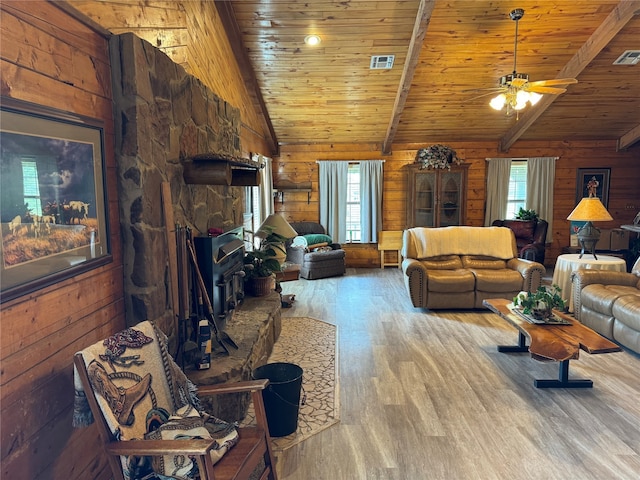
[(164, 116)]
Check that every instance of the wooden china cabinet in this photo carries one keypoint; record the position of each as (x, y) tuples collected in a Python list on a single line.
[(436, 197)]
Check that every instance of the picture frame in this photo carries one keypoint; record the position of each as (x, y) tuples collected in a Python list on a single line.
[(593, 182), (53, 206)]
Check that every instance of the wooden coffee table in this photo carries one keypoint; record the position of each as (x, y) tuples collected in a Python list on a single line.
[(558, 343)]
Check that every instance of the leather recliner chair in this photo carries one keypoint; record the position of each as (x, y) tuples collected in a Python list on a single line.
[(530, 237)]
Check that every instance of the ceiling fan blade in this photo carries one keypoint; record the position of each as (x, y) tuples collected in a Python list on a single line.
[(488, 89), (555, 81), (482, 95), (518, 82), (540, 89)]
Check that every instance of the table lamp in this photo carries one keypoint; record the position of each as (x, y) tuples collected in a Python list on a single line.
[(590, 209), (275, 223)]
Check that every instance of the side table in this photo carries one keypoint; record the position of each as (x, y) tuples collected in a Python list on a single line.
[(569, 263), (390, 240)]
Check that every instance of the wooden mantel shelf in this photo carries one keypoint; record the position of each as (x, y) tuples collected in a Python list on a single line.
[(221, 169), (287, 186)]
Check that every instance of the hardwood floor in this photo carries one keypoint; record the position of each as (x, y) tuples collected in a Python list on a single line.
[(425, 395)]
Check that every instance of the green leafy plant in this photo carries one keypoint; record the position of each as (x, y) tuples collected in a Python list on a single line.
[(524, 214), (542, 300), (262, 261)]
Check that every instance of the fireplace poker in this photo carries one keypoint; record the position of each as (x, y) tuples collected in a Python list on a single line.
[(221, 335), (186, 346)]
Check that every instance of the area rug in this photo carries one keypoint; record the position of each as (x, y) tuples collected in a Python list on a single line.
[(311, 344)]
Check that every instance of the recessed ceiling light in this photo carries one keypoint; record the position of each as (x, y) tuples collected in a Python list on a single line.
[(312, 40)]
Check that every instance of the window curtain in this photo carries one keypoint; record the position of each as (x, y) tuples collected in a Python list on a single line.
[(266, 188), (498, 172), (541, 174), (333, 198), (370, 200)]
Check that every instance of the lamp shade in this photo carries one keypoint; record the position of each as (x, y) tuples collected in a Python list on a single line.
[(277, 224), (590, 209)]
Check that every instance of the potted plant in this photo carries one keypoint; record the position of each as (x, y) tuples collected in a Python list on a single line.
[(540, 303), (524, 214), (261, 263)]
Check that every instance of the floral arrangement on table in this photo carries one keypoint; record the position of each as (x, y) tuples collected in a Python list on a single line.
[(540, 303), (437, 156)]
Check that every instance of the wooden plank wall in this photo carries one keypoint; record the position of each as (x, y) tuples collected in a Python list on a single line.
[(51, 59), (297, 163)]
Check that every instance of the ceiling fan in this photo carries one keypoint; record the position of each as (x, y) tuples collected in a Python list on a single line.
[(516, 91)]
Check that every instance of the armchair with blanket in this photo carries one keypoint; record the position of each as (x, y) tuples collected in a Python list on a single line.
[(149, 417), (315, 252)]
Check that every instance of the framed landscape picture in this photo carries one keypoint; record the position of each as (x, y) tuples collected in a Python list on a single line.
[(52, 197), (593, 182)]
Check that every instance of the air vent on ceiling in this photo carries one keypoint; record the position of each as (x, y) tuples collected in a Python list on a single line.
[(629, 57), (381, 62)]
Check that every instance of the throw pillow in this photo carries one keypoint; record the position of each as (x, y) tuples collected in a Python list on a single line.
[(316, 246), (315, 238)]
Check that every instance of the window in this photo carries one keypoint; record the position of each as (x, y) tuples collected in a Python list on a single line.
[(351, 199), (353, 203), (31, 186), (251, 217), (517, 187)]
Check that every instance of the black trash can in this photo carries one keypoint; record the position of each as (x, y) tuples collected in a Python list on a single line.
[(281, 397)]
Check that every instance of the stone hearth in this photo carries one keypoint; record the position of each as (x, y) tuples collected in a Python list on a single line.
[(255, 327)]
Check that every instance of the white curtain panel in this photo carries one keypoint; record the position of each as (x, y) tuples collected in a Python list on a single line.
[(266, 188), (498, 170), (333, 198), (541, 174), (370, 200)]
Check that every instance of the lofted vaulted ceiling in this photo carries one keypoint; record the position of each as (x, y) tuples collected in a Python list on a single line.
[(442, 49)]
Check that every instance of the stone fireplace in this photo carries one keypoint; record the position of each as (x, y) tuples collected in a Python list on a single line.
[(164, 117)]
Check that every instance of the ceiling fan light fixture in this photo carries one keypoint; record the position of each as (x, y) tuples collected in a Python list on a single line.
[(517, 91), (522, 98), (498, 102), (534, 98)]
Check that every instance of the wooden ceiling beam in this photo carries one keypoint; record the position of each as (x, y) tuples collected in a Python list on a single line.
[(415, 46), (227, 16), (617, 19), (629, 138)]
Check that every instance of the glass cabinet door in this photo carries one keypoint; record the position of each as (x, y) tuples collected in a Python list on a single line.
[(436, 197), (450, 199), (425, 200)]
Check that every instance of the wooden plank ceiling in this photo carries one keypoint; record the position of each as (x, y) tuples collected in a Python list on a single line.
[(442, 49)]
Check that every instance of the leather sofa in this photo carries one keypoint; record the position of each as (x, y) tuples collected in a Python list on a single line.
[(530, 235), (609, 303), (459, 267), (328, 261)]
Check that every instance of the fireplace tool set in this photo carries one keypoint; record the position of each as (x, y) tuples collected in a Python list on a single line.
[(200, 334)]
